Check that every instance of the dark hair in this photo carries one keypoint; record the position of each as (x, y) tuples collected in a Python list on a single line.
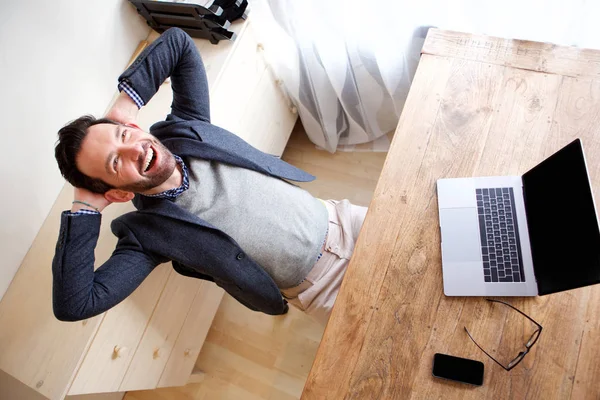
[(69, 142)]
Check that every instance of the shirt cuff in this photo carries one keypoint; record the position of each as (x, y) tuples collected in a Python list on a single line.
[(124, 86), (83, 212)]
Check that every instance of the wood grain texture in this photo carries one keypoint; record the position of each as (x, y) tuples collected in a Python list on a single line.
[(522, 54), (159, 338), (348, 324), (343, 175), (102, 370), (463, 117), (192, 336)]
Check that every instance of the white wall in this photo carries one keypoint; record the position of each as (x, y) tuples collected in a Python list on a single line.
[(59, 59)]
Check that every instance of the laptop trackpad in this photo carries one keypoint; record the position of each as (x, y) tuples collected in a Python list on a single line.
[(460, 234)]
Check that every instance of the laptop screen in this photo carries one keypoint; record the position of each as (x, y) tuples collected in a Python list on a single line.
[(562, 222)]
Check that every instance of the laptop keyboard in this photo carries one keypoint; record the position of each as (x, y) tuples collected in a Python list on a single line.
[(500, 247)]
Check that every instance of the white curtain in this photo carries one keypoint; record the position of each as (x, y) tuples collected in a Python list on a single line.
[(347, 65)]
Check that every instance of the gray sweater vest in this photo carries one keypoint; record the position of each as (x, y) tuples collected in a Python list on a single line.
[(281, 226)]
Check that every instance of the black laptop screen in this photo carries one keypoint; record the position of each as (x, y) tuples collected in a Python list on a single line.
[(562, 222)]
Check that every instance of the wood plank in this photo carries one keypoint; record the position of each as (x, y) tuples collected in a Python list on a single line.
[(273, 120), (523, 54), (495, 328), (413, 274), (518, 137), (160, 335), (27, 305), (235, 86), (265, 356), (343, 175), (197, 376), (588, 368), (391, 315), (113, 347), (348, 325), (192, 336), (218, 56), (11, 388), (578, 116), (516, 140), (98, 396), (477, 117)]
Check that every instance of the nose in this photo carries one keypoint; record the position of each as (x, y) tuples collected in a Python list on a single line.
[(132, 151)]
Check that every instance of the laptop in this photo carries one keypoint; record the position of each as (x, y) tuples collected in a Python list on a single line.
[(527, 235)]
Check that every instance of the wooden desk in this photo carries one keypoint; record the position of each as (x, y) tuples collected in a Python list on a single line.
[(478, 106)]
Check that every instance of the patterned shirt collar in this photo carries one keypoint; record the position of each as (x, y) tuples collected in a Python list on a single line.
[(172, 194)]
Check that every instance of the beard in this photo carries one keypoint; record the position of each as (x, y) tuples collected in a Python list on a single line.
[(160, 174)]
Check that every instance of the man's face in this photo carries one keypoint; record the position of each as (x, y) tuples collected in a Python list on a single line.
[(125, 157)]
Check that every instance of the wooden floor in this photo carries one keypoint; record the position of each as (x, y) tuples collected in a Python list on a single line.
[(249, 355)]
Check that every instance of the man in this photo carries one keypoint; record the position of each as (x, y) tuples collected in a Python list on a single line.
[(216, 207)]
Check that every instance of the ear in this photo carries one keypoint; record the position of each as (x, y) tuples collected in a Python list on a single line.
[(118, 196)]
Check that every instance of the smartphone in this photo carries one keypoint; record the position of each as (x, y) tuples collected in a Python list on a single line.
[(458, 369)]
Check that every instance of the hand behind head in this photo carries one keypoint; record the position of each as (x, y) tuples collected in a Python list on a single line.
[(95, 199)]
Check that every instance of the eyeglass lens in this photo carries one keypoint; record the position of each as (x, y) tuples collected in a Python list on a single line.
[(534, 337)]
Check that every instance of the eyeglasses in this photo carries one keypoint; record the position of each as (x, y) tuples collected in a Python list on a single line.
[(534, 337)]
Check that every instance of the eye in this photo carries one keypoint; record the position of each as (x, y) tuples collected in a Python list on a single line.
[(115, 162), (123, 135)]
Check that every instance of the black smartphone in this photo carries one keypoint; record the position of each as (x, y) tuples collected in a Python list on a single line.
[(458, 369)]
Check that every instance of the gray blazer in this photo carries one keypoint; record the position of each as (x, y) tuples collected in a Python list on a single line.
[(160, 231)]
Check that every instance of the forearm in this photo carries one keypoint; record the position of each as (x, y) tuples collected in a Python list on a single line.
[(73, 266), (79, 292), (173, 55)]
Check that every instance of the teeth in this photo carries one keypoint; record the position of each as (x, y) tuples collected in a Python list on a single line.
[(149, 156)]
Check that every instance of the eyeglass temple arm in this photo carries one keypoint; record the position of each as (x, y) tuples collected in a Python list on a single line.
[(517, 310)]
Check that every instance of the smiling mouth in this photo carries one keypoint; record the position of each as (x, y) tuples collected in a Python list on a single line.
[(150, 159)]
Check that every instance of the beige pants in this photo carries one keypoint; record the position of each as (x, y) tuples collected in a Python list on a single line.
[(316, 294)]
